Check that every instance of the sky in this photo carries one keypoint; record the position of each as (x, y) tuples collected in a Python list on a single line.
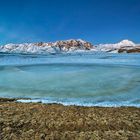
[(96, 21)]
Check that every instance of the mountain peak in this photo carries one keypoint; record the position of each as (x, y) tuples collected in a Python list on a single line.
[(126, 42)]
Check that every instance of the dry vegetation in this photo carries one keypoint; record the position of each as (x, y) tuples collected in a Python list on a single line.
[(35, 121)]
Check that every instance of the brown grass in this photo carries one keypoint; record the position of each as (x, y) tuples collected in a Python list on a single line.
[(35, 121)]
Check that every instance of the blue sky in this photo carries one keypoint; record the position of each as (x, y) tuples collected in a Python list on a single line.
[(97, 21)]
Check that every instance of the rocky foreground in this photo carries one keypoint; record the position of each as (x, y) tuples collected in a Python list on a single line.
[(35, 121), (69, 46)]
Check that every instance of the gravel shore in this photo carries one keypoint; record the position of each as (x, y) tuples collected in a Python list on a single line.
[(36, 121)]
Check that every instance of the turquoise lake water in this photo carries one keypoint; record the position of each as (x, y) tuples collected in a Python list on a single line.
[(91, 79)]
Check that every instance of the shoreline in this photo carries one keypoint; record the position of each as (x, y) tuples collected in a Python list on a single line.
[(55, 121), (36, 100)]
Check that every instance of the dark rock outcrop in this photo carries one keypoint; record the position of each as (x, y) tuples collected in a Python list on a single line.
[(129, 49)]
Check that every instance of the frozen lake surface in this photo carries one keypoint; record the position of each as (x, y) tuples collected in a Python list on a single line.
[(87, 79)]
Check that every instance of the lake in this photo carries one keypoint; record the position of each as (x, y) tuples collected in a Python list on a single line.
[(85, 79)]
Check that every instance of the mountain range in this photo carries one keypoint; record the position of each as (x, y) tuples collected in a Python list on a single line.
[(69, 46)]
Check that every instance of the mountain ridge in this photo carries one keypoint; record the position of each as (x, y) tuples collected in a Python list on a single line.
[(69, 46)]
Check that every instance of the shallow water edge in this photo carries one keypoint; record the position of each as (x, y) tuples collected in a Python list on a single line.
[(37, 101)]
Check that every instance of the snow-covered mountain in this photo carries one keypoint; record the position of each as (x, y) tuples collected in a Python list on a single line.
[(116, 47), (126, 43), (69, 46), (46, 48)]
